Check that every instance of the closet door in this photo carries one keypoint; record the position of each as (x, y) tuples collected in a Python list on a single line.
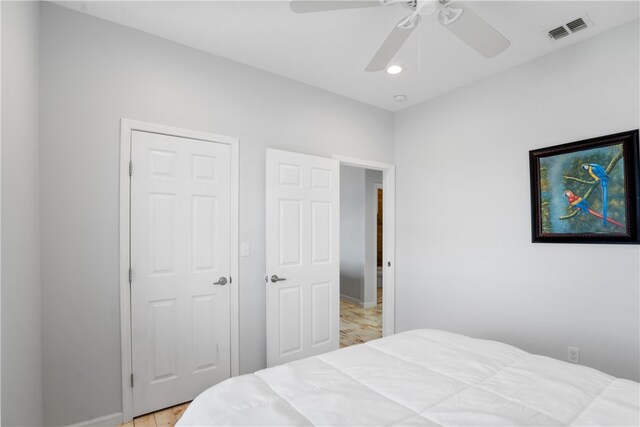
[(180, 260)]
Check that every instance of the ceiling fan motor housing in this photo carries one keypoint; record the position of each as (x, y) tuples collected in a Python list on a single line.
[(471, 29), (427, 7)]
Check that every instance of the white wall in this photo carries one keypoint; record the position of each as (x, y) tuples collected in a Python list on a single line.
[(92, 74), (21, 290), (465, 261), (352, 232)]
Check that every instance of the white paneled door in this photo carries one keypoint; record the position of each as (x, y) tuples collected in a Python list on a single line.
[(302, 255), (180, 259)]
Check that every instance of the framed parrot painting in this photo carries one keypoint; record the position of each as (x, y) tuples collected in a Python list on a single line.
[(587, 191)]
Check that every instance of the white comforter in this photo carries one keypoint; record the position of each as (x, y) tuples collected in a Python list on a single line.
[(421, 377)]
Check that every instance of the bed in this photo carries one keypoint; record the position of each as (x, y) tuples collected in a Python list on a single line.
[(421, 377)]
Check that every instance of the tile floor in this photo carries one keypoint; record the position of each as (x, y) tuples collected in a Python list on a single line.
[(358, 324), (165, 417)]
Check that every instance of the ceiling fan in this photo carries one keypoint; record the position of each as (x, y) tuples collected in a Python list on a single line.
[(457, 18)]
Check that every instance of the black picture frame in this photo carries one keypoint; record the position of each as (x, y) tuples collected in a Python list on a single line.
[(568, 203)]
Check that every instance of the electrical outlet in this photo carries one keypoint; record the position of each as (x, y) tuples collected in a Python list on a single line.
[(244, 249), (573, 355)]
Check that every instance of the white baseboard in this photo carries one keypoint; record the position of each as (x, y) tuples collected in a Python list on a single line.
[(356, 301), (352, 300), (111, 420)]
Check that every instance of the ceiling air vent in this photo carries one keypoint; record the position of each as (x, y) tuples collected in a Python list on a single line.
[(558, 33), (577, 25), (571, 27)]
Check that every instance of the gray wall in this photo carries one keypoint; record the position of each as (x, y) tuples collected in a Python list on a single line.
[(370, 271), (92, 74), (352, 232), (357, 233), (21, 290), (465, 261)]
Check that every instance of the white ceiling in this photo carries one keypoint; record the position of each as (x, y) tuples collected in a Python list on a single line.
[(329, 50)]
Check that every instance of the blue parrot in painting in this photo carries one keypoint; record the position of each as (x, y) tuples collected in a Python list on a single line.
[(599, 174)]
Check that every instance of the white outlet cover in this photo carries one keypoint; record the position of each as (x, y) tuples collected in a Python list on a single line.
[(573, 355), (244, 249)]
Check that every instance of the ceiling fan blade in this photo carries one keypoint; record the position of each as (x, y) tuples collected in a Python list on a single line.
[(476, 32), (307, 6), (391, 45)]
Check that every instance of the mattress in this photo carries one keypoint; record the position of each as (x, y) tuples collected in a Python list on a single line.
[(425, 378)]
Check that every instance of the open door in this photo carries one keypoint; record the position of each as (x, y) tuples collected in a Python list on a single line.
[(303, 255)]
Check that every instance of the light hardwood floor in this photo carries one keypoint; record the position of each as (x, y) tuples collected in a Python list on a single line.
[(358, 324), (165, 417)]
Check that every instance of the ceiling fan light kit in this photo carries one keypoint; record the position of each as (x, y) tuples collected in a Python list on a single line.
[(394, 69), (459, 19)]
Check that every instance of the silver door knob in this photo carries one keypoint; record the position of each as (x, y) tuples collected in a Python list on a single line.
[(222, 281), (275, 279)]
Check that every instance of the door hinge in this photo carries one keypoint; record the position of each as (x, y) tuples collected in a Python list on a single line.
[(130, 168), (230, 280), (130, 275), (131, 380)]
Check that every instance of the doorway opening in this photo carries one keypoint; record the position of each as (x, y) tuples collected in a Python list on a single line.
[(361, 254), (303, 217)]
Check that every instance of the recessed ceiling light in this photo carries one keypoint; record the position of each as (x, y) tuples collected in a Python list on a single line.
[(394, 69), (399, 98)]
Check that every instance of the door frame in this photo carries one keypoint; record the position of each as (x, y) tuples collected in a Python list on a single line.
[(126, 130), (388, 236), (376, 187)]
